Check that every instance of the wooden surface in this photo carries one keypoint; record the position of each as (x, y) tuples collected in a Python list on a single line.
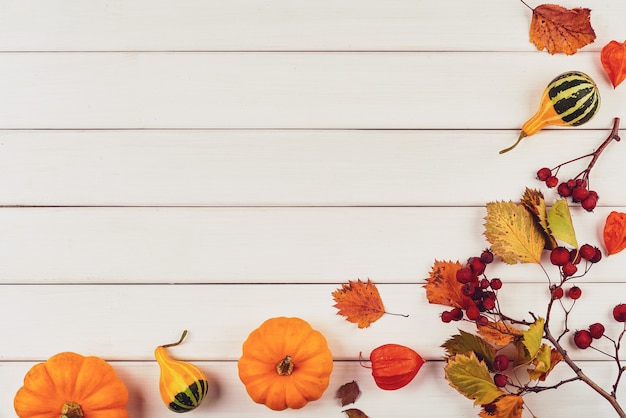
[(205, 165)]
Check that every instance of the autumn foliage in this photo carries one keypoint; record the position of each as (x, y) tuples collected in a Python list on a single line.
[(560, 30)]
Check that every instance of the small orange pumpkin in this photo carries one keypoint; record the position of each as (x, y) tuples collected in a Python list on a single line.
[(285, 364), (70, 385)]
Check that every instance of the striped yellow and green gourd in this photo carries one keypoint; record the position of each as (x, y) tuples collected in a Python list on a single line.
[(183, 386), (571, 99)]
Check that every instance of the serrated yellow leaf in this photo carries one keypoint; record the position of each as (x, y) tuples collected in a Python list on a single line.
[(470, 377), (535, 203), (532, 337), (560, 223), (513, 233), (508, 406), (545, 361)]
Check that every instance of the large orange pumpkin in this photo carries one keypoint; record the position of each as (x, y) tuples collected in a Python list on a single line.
[(285, 363), (70, 385)]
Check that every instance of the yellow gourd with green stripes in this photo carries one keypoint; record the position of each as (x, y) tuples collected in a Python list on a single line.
[(571, 99), (183, 386)]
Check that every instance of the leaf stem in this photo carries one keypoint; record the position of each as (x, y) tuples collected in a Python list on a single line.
[(524, 3)]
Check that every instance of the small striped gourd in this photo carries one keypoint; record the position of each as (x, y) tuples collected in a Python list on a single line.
[(571, 99), (183, 386)]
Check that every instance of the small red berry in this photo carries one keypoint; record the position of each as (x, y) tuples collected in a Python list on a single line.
[(464, 275), (496, 284), (587, 251), (596, 330), (589, 203), (582, 339), (557, 292), (597, 256), (477, 266), (484, 283), (559, 256), (574, 292), (468, 289), (446, 316), (501, 362), (579, 194), (486, 257), (482, 320), (457, 314), (619, 312), (489, 304), (500, 380), (552, 181), (544, 173), (564, 190), (472, 313), (581, 183), (571, 183), (574, 256), (569, 269)]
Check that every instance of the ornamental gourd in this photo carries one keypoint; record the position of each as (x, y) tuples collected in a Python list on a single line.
[(285, 363), (394, 366), (183, 386), (69, 385), (571, 99)]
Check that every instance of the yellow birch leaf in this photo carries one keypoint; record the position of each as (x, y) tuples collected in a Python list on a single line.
[(513, 233), (532, 337), (560, 223), (470, 377)]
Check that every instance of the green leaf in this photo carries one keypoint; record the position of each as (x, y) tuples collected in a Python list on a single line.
[(471, 378), (513, 233), (532, 337), (466, 342), (560, 223)]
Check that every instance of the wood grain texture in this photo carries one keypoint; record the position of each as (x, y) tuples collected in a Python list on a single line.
[(293, 90), (208, 164)]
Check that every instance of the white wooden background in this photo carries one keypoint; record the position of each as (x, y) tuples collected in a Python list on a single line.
[(207, 164)]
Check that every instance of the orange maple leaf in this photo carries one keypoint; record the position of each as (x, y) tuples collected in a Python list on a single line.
[(558, 29), (442, 288), (359, 302)]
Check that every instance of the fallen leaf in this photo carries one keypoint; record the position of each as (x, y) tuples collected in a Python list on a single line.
[(359, 302), (560, 223), (442, 288), (470, 377), (544, 362), (614, 233), (498, 333), (355, 413), (613, 58), (348, 393), (466, 342), (535, 203), (558, 29), (513, 234), (532, 337), (508, 406)]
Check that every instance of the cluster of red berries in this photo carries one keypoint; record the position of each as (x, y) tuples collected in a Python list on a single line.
[(584, 337), (576, 189), (567, 260), (478, 288)]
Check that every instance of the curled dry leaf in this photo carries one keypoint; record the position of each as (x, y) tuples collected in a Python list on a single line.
[(613, 57), (561, 30), (614, 233), (355, 413), (359, 302), (348, 393)]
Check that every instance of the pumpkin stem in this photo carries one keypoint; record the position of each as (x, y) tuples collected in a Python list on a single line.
[(182, 337), (71, 410), (285, 366)]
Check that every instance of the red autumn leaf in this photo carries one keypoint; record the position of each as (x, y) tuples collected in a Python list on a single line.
[(442, 287), (614, 233), (348, 393), (558, 29), (359, 302), (613, 57)]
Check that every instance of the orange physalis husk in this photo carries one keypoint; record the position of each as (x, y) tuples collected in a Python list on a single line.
[(614, 233), (613, 57)]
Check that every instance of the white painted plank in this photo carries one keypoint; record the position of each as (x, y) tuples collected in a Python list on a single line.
[(201, 245), (428, 394), (194, 25), (285, 90), (301, 167), (129, 322)]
